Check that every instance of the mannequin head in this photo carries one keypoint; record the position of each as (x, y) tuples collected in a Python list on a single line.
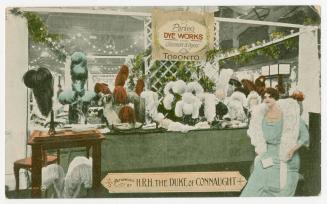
[(78, 72), (41, 83)]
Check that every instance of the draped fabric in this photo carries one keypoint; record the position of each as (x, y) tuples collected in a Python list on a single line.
[(79, 172), (53, 174), (68, 186)]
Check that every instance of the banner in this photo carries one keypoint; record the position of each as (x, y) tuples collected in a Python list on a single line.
[(225, 181), (181, 35)]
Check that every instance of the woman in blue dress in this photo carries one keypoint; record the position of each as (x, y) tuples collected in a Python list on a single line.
[(276, 132)]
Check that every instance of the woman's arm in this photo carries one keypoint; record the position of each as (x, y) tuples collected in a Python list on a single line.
[(303, 139)]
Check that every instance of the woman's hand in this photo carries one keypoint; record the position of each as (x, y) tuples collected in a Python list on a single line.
[(292, 151), (290, 154)]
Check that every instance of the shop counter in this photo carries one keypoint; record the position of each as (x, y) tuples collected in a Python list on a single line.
[(160, 149), (155, 150)]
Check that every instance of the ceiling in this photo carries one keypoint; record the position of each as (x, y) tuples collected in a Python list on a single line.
[(121, 35)]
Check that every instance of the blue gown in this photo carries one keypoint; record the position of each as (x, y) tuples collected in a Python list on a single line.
[(265, 181)]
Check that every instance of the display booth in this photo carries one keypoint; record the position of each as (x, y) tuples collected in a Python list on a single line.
[(149, 114)]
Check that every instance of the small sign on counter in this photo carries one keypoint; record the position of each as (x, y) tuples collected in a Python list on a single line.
[(222, 181)]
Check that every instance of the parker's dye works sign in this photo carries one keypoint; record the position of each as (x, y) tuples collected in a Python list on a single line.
[(231, 181), (181, 36)]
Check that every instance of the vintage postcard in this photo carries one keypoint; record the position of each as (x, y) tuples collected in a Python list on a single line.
[(162, 101)]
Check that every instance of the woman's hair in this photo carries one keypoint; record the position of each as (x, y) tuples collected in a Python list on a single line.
[(41, 83), (260, 84), (273, 93), (127, 114), (122, 76), (120, 95), (102, 87), (139, 86), (280, 85), (248, 86)]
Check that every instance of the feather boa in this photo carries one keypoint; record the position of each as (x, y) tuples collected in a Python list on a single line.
[(175, 126), (290, 132)]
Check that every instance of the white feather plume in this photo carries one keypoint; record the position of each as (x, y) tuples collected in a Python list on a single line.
[(151, 102), (195, 86), (239, 96), (253, 99), (168, 100), (179, 87), (108, 112), (179, 109), (236, 111), (169, 86), (210, 107), (224, 77), (189, 105)]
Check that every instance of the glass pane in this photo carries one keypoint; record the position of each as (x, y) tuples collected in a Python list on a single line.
[(284, 68), (265, 70), (274, 69)]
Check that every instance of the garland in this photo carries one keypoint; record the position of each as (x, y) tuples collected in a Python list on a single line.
[(39, 33), (273, 51)]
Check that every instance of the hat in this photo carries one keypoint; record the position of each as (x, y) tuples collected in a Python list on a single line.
[(139, 86), (122, 76), (221, 109), (234, 82), (102, 87), (127, 114)]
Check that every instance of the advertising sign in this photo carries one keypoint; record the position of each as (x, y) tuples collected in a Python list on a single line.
[(181, 35)]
